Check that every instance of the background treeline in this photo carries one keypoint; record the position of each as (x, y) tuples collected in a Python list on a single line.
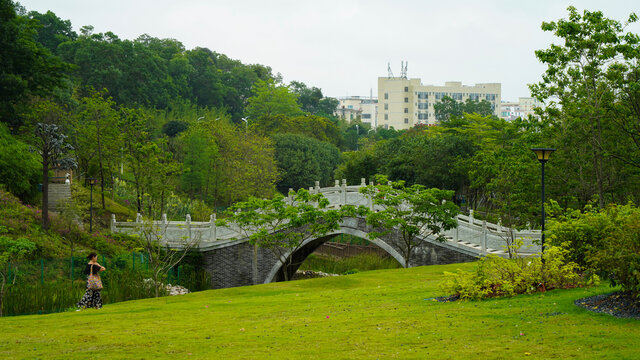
[(156, 123), (165, 127)]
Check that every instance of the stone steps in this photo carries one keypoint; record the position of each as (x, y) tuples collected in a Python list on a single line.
[(58, 193)]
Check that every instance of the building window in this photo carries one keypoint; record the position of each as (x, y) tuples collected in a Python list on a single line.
[(386, 116), (423, 95), (406, 120), (366, 116), (386, 106), (406, 110), (386, 96), (406, 89), (406, 99)]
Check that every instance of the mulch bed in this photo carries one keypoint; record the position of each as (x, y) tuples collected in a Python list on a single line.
[(619, 304)]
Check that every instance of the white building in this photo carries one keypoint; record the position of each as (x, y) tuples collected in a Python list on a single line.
[(407, 102), (353, 107), (525, 106)]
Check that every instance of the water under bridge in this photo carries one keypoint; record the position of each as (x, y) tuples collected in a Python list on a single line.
[(231, 260)]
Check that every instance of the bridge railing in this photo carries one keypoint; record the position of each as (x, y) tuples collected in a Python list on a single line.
[(489, 237), (470, 232)]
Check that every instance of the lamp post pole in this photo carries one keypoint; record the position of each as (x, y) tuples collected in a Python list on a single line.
[(543, 156), (92, 181), (357, 134), (246, 123)]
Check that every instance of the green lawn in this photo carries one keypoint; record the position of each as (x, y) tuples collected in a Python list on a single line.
[(372, 315)]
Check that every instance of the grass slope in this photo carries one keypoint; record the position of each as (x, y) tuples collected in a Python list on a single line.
[(378, 314)]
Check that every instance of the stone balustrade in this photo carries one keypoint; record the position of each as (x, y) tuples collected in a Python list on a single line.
[(482, 236)]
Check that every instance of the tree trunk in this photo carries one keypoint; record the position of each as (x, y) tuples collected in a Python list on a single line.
[(4, 281), (100, 162), (45, 191)]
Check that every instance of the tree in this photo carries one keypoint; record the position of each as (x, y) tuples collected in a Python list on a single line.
[(53, 148), (449, 109), (27, 68), (52, 31), (199, 151), (11, 251), (507, 178), (302, 161), (151, 163), (246, 165), (312, 101), (578, 75), (415, 212), (282, 225), (161, 255), (270, 100), (96, 135)]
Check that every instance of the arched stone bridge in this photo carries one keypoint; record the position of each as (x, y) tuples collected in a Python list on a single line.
[(232, 261)]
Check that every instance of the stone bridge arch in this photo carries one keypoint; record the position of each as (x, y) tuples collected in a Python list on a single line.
[(309, 246)]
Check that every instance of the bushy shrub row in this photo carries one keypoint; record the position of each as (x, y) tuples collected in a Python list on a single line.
[(496, 276)]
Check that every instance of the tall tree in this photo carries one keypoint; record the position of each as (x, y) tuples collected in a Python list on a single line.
[(270, 100), (53, 148), (303, 160), (577, 75), (96, 134)]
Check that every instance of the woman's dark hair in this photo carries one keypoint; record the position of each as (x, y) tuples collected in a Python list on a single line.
[(91, 256)]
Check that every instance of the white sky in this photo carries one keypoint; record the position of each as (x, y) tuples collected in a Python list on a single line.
[(342, 46)]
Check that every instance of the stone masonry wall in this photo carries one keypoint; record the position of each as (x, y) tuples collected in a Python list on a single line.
[(233, 265)]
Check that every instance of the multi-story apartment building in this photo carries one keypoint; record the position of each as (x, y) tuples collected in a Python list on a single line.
[(353, 107), (404, 102), (511, 110)]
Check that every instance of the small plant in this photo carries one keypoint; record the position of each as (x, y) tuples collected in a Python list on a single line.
[(495, 276)]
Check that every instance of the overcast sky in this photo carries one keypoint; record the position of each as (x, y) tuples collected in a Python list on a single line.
[(342, 46)]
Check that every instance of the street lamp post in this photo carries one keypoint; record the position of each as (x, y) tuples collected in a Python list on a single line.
[(246, 123), (92, 182), (357, 134), (543, 155)]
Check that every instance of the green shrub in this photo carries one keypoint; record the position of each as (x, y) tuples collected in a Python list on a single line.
[(20, 169), (619, 257), (496, 276), (582, 233), (605, 241)]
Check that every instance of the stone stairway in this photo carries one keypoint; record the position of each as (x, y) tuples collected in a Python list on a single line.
[(58, 193)]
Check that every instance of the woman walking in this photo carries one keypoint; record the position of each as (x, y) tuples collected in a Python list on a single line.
[(92, 298)]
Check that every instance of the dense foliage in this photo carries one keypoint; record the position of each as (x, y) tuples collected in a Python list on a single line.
[(495, 276), (606, 241)]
